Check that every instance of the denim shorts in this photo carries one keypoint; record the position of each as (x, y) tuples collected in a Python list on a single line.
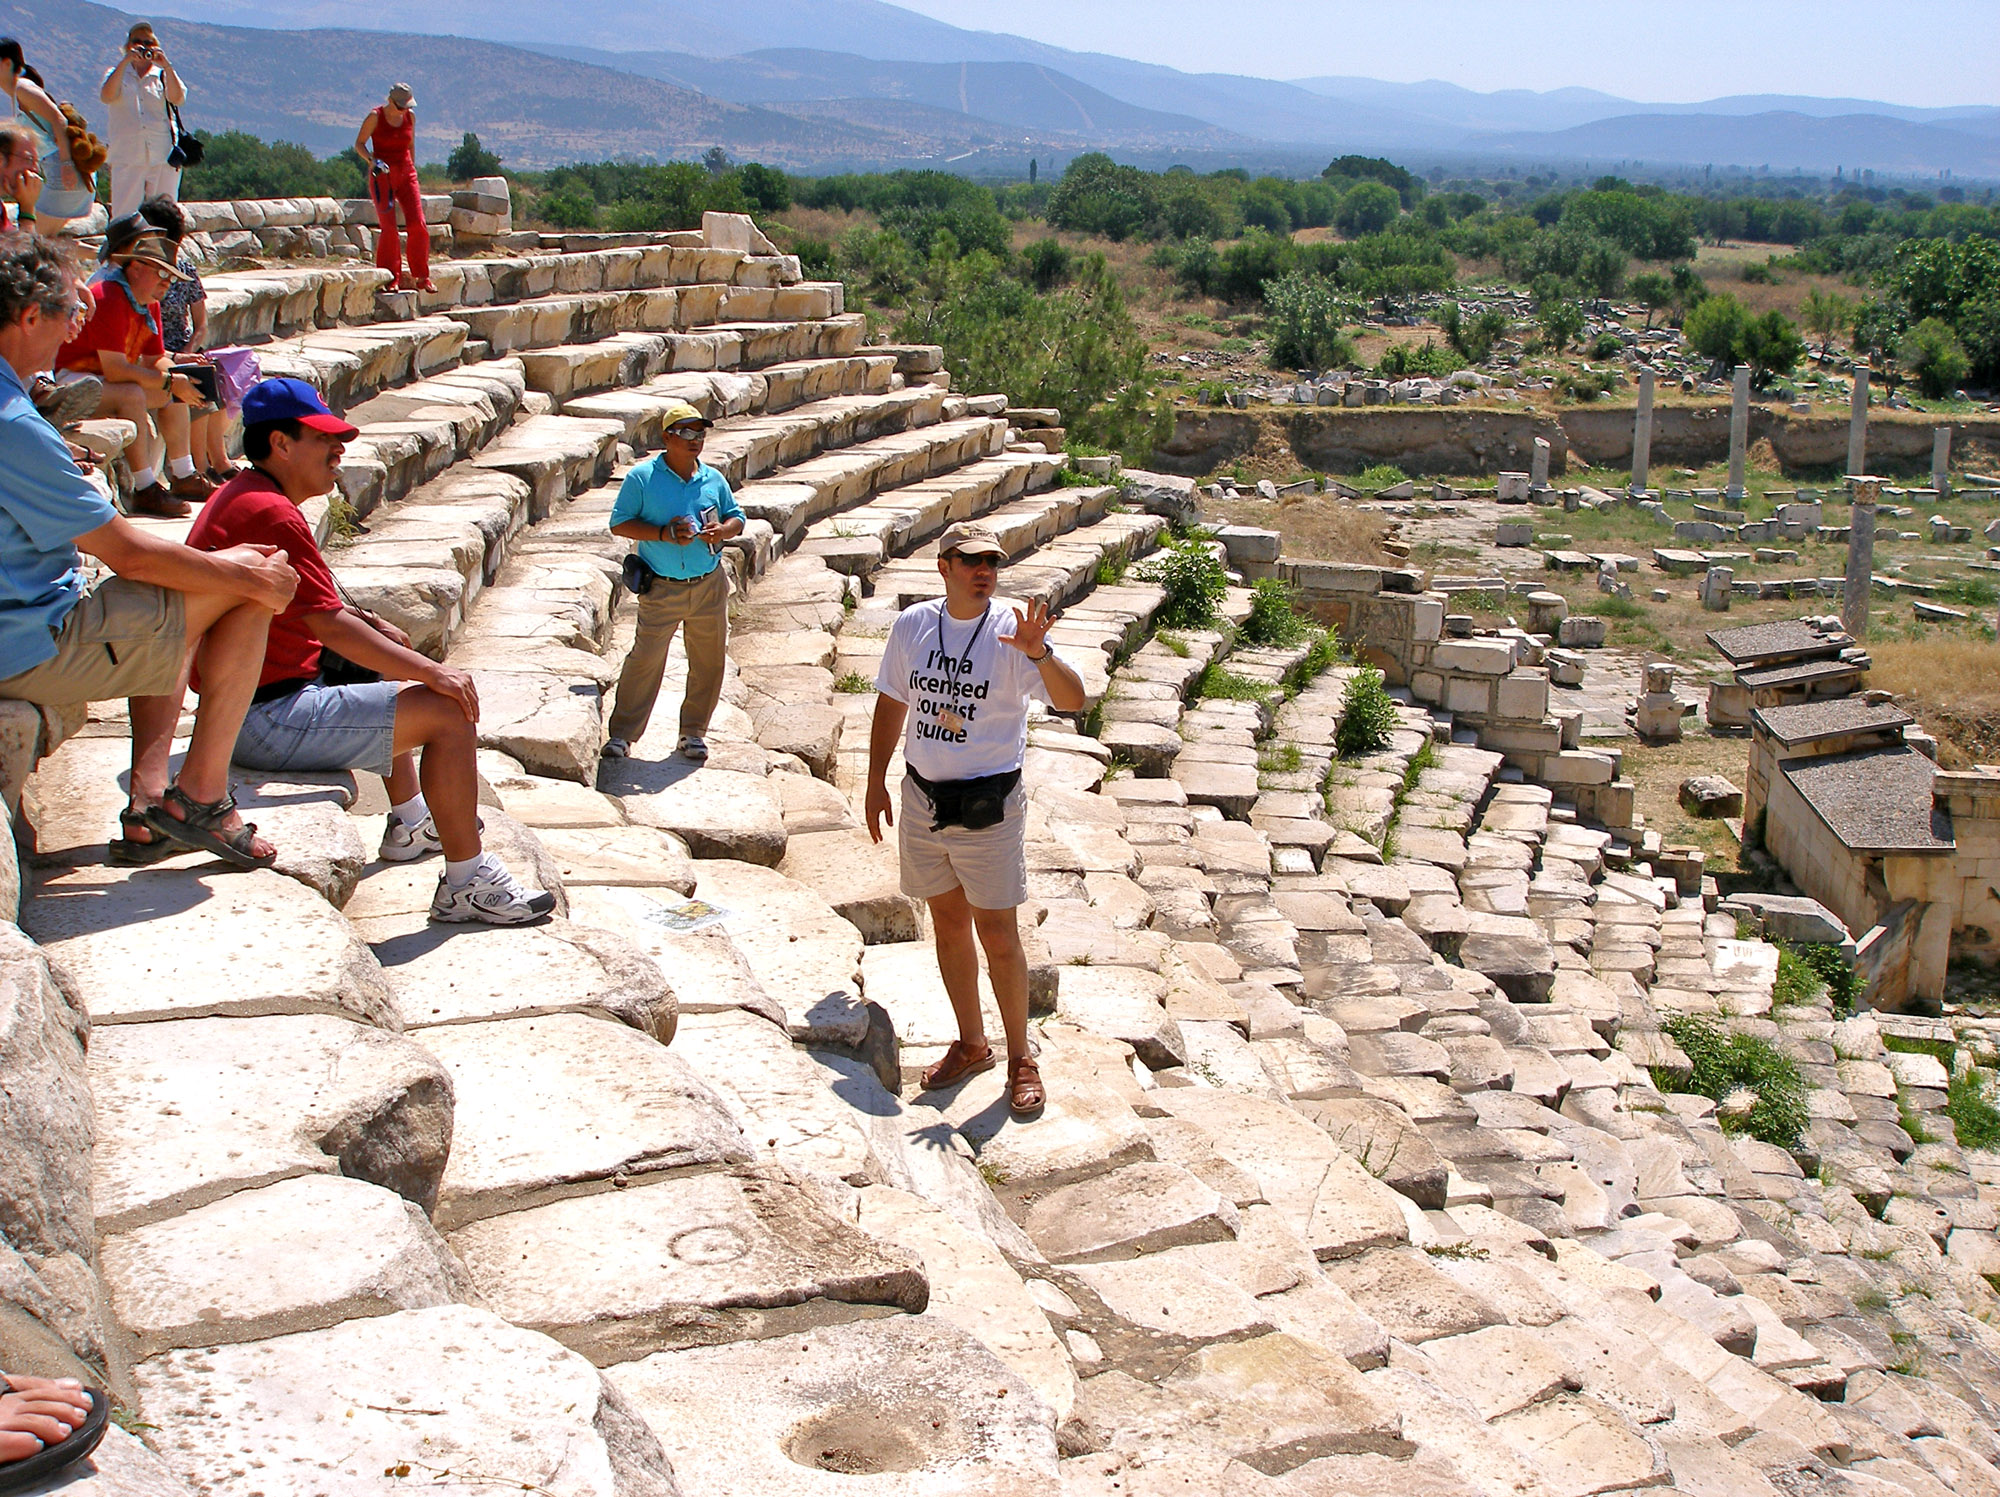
[(58, 202), (323, 728)]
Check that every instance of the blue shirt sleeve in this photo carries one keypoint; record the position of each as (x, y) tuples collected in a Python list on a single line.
[(631, 495), (725, 501), (46, 493)]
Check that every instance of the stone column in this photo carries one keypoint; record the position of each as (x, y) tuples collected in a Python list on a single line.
[(1857, 424), (1538, 466), (1941, 461), (1739, 433), (1642, 435), (1863, 493)]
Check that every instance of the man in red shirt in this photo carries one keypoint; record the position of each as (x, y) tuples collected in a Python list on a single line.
[(297, 721), (121, 344)]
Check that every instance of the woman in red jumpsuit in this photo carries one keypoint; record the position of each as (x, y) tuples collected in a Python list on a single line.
[(387, 147)]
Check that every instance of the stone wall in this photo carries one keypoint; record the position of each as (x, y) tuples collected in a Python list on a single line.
[(1464, 440), (475, 217)]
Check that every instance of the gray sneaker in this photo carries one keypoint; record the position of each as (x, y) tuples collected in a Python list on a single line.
[(616, 748), (492, 896), (694, 748), (405, 844)]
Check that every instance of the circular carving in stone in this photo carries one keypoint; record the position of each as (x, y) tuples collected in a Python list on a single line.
[(709, 1245)]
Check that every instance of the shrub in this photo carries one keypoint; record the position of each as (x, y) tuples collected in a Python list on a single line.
[(1194, 579), (566, 208), (1380, 476), (1367, 715), (1407, 360), (1934, 357), (1607, 345), (1583, 385), (1368, 208), (1047, 263), (1472, 337), (1306, 317), (1562, 323), (1722, 330), (1274, 617), (1723, 1062), (1843, 987)]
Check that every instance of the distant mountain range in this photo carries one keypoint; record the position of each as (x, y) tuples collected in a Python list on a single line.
[(831, 84)]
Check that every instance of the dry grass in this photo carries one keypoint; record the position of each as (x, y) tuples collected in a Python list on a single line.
[(1722, 267), (1951, 684), (1657, 772), (1323, 529)]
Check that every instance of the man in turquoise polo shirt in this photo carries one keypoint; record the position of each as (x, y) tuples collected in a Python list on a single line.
[(680, 511)]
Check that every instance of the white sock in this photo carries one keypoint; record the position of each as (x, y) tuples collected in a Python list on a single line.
[(181, 467), (144, 478), (458, 871), (412, 811)]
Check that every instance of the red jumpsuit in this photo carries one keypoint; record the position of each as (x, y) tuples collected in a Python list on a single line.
[(396, 144)]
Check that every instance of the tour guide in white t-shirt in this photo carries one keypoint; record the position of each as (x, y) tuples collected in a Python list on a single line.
[(960, 671)]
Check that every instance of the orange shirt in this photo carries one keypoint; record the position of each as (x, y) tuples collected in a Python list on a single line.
[(117, 325)]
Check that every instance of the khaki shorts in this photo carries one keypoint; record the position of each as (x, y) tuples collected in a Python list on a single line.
[(991, 864), (123, 639)]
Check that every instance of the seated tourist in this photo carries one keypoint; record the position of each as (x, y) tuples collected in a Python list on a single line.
[(121, 345), (300, 722), (65, 641)]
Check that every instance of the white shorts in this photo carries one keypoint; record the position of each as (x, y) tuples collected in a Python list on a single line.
[(991, 864)]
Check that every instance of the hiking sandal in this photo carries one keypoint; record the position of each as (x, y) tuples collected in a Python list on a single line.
[(1024, 1086), (198, 829), (958, 1063), (35, 1470), (129, 853)]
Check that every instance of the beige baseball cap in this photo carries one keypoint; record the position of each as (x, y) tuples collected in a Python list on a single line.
[(402, 96), (970, 540)]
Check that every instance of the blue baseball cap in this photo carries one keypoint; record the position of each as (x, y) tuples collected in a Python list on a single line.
[(292, 400)]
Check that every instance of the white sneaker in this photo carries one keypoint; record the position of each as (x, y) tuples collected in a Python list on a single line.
[(405, 844), (616, 748), (492, 895), (694, 748)]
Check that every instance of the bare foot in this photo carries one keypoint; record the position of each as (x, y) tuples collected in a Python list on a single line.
[(39, 1412)]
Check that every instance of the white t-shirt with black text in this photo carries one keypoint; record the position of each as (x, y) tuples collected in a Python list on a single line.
[(967, 692)]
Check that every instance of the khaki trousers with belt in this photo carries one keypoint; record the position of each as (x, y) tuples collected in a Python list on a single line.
[(699, 608)]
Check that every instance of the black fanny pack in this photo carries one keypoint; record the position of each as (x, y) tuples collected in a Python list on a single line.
[(974, 804), (636, 575)]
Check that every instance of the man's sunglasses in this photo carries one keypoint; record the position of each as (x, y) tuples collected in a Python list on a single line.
[(688, 433), (982, 559)]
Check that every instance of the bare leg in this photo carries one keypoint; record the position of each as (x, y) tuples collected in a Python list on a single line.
[(403, 782), (172, 421), (958, 965), (450, 772), (1007, 968), (229, 647)]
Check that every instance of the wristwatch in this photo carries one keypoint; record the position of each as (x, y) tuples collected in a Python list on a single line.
[(1047, 650)]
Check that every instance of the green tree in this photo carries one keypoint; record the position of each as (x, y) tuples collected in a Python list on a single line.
[(767, 189), (1562, 323), (1723, 331), (470, 159), (1047, 263), (1098, 196), (1932, 355), (1306, 316), (1654, 292), (1824, 314), (1879, 324), (1715, 329), (1368, 208), (566, 208)]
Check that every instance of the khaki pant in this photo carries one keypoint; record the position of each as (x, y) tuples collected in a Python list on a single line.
[(122, 639), (701, 609)]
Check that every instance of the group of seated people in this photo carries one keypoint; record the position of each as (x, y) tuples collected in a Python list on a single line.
[(290, 676)]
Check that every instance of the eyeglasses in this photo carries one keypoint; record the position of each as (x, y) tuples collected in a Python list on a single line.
[(983, 559), (688, 433)]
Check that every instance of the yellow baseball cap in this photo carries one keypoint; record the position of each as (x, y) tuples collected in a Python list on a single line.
[(680, 413)]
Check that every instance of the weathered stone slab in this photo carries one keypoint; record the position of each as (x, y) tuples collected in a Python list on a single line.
[(1172, 1294), (801, 951), (1139, 1209), (912, 1405), (564, 1105), (185, 944), (1122, 1003), (707, 972), (193, 1111), (462, 974), (1500, 1369), (1584, 1446), (693, 1261), (718, 813), (634, 856), (450, 1389), (299, 1255), (859, 878), (1384, 1142), (1412, 1299)]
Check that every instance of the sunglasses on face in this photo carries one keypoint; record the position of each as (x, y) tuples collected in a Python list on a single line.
[(985, 559), (688, 433)]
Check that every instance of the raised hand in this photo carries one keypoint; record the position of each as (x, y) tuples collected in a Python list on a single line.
[(1031, 629)]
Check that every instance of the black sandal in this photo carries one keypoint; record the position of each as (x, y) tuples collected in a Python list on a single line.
[(196, 828), (128, 853), (33, 1470)]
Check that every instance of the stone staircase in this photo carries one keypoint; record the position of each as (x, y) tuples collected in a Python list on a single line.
[(1353, 1177)]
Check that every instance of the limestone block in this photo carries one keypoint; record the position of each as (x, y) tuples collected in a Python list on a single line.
[(717, 812), (446, 1389), (912, 1403), (1501, 1369), (1086, 1129), (1411, 1298), (690, 1261), (545, 722), (974, 1288), (299, 1255), (562, 1105), (1584, 1445), (708, 973), (1384, 1142), (1473, 657), (632, 856), (1122, 1003), (1141, 1208), (192, 1111), (445, 974), (45, 1107), (191, 942)]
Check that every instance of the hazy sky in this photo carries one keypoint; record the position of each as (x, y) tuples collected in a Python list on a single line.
[(1923, 52)]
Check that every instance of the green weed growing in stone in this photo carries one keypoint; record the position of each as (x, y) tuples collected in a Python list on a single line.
[(1275, 621), (1970, 1107), (1194, 580), (1278, 758), (1218, 682), (1723, 1062), (853, 683), (1111, 569), (1173, 644), (1367, 715)]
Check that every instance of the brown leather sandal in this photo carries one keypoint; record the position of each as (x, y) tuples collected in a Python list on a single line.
[(958, 1063), (1024, 1086)]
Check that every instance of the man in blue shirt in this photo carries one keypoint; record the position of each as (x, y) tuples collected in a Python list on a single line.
[(64, 643), (680, 511)]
